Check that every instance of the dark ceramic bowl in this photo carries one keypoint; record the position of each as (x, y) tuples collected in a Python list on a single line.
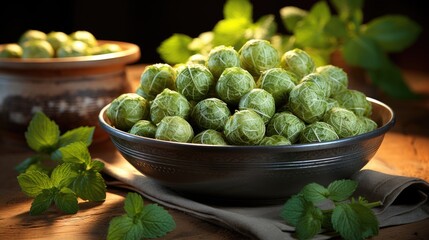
[(249, 173)]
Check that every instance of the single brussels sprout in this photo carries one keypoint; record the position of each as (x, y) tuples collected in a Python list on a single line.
[(169, 103), (73, 49), (285, 124), (336, 76), (11, 50), (244, 127), (106, 48), (194, 82), (318, 132), (209, 136), (344, 122), (197, 59), (85, 37), (31, 35), (274, 140), (307, 102), (368, 124), (143, 128), (278, 82), (260, 101), (155, 78), (258, 55), (297, 61), (221, 58), (174, 128), (37, 49), (233, 83), (57, 39), (210, 113), (127, 109), (331, 103), (319, 81), (354, 101)]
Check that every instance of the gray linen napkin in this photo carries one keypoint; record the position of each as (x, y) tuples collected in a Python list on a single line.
[(405, 200)]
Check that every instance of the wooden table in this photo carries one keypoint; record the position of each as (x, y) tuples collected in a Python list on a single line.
[(404, 151)]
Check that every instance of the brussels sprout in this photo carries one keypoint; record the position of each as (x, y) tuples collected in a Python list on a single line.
[(318, 132), (258, 55), (85, 37), (336, 76), (260, 101), (126, 110), (210, 113), (169, 103), (73, 49), (319, 81), (285, 124), (354, 101), (278, 82), (174, 128), (233, 83), (344, 122), (31, 35), (11, 50), (244, 127), (209, 136), (37, 49), (57, 39), (155, 78), (222, 57), (197, 59), (274, 140), (106, 48), (143, 128), (297, 61), (194, 82), (368, 124), (307, 102)]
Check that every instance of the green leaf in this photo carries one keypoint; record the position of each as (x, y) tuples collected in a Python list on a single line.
[(80, 134), (336, 28), (63, 175), (230, 32), (42, 202), (319, 14), (34, 182), (315, 192), (291, 15), (42, 134), (133, 204), (156, 221), (310, 223), (174, 49), (294, 209), (234, 9), (66, 201), (96, 165), (124, 228), (76, 152), (264, 28), (393, 33), (340, 190), (90, 186), (24, 165), (363, 52), (349, 10)]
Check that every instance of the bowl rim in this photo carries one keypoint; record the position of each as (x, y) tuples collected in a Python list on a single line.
[(112, 131)]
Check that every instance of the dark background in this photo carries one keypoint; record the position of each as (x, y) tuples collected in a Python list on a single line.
[(148, 23)]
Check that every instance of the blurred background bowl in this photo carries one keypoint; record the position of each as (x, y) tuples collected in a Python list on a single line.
[(260, 174), (71, 91)]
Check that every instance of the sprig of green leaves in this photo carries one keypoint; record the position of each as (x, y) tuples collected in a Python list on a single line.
[(332, 208), (139, 221)]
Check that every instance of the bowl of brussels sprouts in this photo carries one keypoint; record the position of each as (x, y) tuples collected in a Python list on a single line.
[(253, 130)]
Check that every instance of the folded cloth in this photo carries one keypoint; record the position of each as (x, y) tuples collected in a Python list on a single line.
[(404, 199)]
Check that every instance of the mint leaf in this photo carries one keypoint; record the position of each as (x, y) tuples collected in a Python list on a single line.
[(124, 227), (156, 221), (90, 186), (81, 134), (174, 49), (42, 134), (314, 192), (96, 166), (33, 183), (349, 10), (66, 201), (294, 209), (363, 52), (291, 15), (42, 202), (310, 223), (340, 190), (133, 204), (76, 152), (264, 28), (234, 9), (230, 32), (63, 175)]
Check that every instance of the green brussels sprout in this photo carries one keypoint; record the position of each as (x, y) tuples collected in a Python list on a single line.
[(297, 61), (221, 58), (85, 37), (318, 132), (143, 128), (336, 76), (344, 122), (210, 113), (278, 82), (169, 103), (174, 128), (106, 48), (197, 59), (285, 124), (274, 140), (31, 35), (319, 81), (368, 124), (260, 101), (209, 136), (258, 55), (73, 49), (331, 103), (127, 109), (11, 50), (354, 101), (37, 49), (244, 127), (155, 78), (57, 39), (307, 102), (194, 82), (233, 83)]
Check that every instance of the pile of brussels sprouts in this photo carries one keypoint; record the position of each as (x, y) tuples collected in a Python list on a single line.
[(37, 44), (254, 96)]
